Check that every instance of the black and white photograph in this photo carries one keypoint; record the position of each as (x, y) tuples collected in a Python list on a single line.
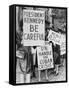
[(41, 41), (40, 44)]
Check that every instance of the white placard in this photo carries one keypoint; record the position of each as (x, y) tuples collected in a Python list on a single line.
[(45, 56), (63, 45), (33, 27), (54, 37)]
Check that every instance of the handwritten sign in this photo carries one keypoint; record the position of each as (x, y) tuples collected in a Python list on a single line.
[(54, 37), (45, 56), (63, 45), (33, 27)]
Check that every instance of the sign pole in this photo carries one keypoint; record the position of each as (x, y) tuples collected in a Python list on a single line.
[(28, 74), (46, 74), (34, 57), (39, 72)]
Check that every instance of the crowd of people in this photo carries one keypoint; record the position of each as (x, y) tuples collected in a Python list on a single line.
[(27, 61)]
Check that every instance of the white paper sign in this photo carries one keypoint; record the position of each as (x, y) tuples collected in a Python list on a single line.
[(33, 27), (45, 56), (54, 37), (63, 45)]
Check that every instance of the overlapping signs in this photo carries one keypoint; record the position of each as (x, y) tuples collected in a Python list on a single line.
[(45, 56), (59, 39), (34, 35), (33, 27)]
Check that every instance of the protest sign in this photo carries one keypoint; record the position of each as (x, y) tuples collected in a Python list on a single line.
[(54, 37), (63, 48), (63, 45), (45, 56), (33, 27), (59, 39)]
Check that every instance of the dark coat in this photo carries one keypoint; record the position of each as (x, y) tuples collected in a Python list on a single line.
[(56, 54)]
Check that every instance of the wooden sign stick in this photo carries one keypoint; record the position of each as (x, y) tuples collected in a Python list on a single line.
[(46, 74), (39, 72), (34, 58)]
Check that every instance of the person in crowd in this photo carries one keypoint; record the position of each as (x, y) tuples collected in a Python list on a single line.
[(56, 53), (23, 64), (33, 61), (46, 39)]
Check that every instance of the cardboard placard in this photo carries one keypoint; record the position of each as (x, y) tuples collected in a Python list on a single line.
[(63, 45), (33, 27), (45, 56), (54, 37)]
